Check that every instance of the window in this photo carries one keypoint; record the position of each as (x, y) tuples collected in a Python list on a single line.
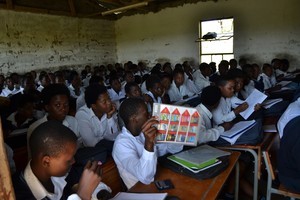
[(216, 40)]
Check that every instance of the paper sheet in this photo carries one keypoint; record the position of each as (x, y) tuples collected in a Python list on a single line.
[(254, 98), (139, 196)]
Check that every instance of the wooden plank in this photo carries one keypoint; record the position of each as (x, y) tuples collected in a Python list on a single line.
[(72, 8), (6, 188)]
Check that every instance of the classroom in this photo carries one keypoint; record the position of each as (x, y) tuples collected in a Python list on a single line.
[(142, 52)]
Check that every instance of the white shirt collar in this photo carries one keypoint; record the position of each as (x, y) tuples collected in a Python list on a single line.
[(38, 190), (206, 111)]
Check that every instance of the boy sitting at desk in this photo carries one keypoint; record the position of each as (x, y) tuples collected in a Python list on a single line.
[(135, 151), (53, 147)]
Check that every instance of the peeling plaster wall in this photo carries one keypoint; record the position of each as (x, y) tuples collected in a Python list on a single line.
[(263, 30), (34, 41)]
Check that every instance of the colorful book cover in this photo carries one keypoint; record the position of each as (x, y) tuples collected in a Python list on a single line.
[(177, 124)]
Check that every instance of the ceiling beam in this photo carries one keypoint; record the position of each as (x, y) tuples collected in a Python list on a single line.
[(72, 7), (9, 4)]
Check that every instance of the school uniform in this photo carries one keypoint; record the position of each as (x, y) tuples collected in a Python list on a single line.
[(116, 97), (7, 92), (134, 162), (291, 112), (266, 80), (190, 84), (40, 88), (155, 100), (208, 131), (200, 81), (14, 125), (288, 156), (248, 89), (177, 94), (93, 129), (69, 122), (224, 113), (72, 91), (143, 88), (80, 101)]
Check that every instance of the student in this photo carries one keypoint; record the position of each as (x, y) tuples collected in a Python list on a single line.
[(178, 89), (97, 119), (268, 77), (201, 77), (44, 81), (116, 93), (210, 98), (229, 109), (55, 99), (135, 151), (155, 91), (165, 80), (75, 85), (53, 147), (128, 78), (133, 90), (233, 64), (9, 89)]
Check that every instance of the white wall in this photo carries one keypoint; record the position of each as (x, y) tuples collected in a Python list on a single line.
[(34, 41), (264, 29)]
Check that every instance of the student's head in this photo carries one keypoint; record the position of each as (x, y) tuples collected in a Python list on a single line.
[(223, 67), (75, 79), (52, 147), (9, 83), (276, 63), (226, 86), (28, 83), (268, 69), (165, 80), (242, 62), (285, 64), (249, 71), (134, 113), (205, 69), (96, 79), (26, 106), (167, 68), (213, 67), (97, 98), (153, 85), (233, 63), (133, 90), (178, 77), (128, 76), (115, 84), (55, 98), (239, 76), (256, 70), (210, 97), (44, 79)]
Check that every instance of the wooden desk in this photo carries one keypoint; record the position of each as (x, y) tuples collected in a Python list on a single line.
[(189, 188)]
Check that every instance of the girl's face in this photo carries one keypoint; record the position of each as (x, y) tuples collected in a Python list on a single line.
[(179, 79), (239, 84), (228, 89)]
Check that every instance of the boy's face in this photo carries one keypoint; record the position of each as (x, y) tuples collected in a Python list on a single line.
[(157, 90), (103, 103), (179, 79), (141, 117), (239, 84), (135, 91), (58, 107), (269, 71), (228, 89), (60, 165), (116, 85)]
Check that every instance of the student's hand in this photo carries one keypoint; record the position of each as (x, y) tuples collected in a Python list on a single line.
[(112, 111), (257, 107), (150, 131), (241, 108), (227, 125), (89, 180), (185, 97), (147, 98)]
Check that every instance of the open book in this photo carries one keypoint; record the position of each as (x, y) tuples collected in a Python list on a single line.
[(177, 124), (139, 196)]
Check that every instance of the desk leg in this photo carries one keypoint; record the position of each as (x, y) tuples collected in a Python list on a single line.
[(237, 178)]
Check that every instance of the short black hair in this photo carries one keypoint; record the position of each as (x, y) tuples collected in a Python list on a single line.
[(96, 79), (92, 93), (178, 71), (112, 79), (130, 107), (50, 138), (203, 66), (151, 81), (210, 95), (223, 80), (52, 90), (128, 86)]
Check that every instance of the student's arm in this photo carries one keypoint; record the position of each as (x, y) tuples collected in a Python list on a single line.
[(219, 117), (112, 129)]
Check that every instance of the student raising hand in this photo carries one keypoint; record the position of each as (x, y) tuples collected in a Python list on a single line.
[(150, 132), (89, 180)]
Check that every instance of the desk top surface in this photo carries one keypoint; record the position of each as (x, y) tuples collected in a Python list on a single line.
[(189, 188)]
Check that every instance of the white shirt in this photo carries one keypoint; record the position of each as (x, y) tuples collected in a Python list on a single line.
[(200, 81), (40, 88), (92, 129), (80, 101), (134, 162), (290, 113), (190, 84), (248, 89), (72, 91), (266, 80), (178, 94), (158, 100), (207, 131), (143, 88), (69, 122), (223, 113), (115, 97), (7, 92)]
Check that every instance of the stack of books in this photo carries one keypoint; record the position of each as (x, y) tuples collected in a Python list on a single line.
[(199, 158)]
